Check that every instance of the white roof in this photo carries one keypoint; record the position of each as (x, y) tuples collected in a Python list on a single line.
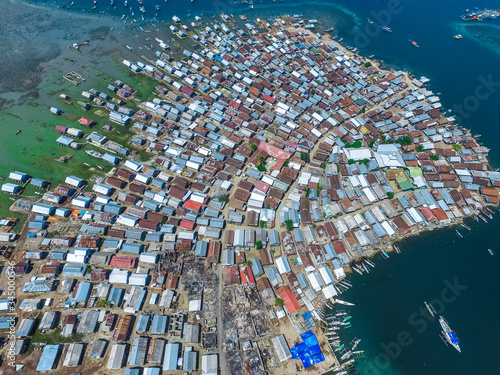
[(358, 153), (329, 291)]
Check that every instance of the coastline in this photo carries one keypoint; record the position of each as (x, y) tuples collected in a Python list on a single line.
[(301, 227)]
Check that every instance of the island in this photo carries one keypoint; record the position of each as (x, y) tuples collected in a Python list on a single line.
[(267, 163)]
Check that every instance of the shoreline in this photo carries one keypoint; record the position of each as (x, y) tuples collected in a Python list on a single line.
[(324, 136)]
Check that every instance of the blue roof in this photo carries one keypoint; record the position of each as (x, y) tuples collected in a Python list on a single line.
[(49, 355), (142, 323), (171, 356), (116, 295), (159, 325), (83, 292)]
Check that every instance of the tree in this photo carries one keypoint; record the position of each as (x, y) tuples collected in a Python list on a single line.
[(279, 302), (371, 144), (405, 141), (351, 161), (286, 162), (262, 224), (320, 187), (289, 225), (262, 159), (224, 198), (368, 64), (390, 195), (356, 144), (456, 147), (307, 190), (365, 161), (420, 148), (434, 156), (248, 263), (253, 146), (304, 156), (261, 168), (258, 244)]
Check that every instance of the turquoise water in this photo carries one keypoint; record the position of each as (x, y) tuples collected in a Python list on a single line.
[(396, 335)]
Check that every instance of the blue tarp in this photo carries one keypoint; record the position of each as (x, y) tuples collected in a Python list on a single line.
[(307, 315), (308, 351)]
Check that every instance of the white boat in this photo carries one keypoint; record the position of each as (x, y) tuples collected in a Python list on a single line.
[(344, 302), (176, 19), (491, 252)]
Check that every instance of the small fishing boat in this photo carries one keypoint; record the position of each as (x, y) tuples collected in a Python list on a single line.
[(414, 43), (458, 36), (386, 28), (459, 234)]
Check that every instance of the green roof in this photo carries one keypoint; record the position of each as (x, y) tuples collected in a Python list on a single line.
[(415, 172), (405, 185)]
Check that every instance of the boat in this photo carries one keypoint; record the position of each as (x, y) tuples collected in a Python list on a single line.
[(344, 302), (370, 263), (465, 226), (176, 19), (369, 20), (19, 131), (415, 44), (355, 342), (112, 2), (126, 3), (487, 213), (385, 254), (130, 48), (430, 309), (386, 28), (459, 234), (450, 335), (93, 153), (491, 252), (458, 36)]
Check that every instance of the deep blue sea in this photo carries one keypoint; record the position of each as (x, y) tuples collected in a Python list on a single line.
[(459, 275)]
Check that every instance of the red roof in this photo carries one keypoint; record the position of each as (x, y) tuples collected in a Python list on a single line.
[(86, 121), (274, 151), (192, 205), (287, 296), (244, 279), (428, 213), (268, 98), (251, 279), (188, 224), (122, 261)]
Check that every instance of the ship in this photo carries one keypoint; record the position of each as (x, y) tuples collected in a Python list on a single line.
[(459, 234), (344, 302), (458, 36), (449, 334), (386, 28), (430, 308), (491, 252), (415, 44)]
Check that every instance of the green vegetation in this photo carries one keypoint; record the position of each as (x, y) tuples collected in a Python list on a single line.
[(365, 161), (248, 263), (371, 144), (313, 225), (286, 162), (320, 187), (53, 337), (261, 168), (420, 148), (434, 157), (405, 140), (323, 165), (262, 160), (456, 147), (390, 195), (258, 245), (88, 268), (304, 156), (351, 161), (252, 146), (289, 225), (368, 64), (104, 303), (262, 224), (307, 190), (224, 198), (279, 302)]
